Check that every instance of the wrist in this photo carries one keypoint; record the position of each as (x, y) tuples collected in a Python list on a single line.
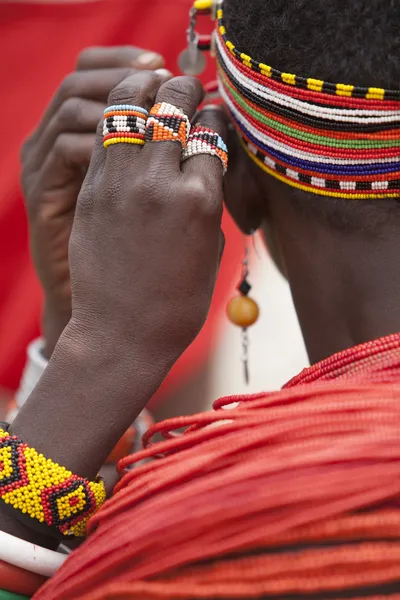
[(91, 392), (55, 318)]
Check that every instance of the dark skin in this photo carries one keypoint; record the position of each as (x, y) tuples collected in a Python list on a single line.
[(345, 287), (137, 206), (129, 324), (55, 159)]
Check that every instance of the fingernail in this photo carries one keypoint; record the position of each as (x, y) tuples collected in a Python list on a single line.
[(163, 73), (149, 59)]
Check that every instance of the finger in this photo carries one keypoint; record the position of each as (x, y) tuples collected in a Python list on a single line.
[(186, 93), (137, 90), (65, 167), (118, 56), (209, 167), (76, 115), (92, 85)]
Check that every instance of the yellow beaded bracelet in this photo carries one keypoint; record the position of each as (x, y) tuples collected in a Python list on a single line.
[(41, 489)]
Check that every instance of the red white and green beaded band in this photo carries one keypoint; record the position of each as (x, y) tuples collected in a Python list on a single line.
[(329, 139)]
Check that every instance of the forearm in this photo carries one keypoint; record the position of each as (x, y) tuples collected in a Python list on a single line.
[(56, 316), (90, 393)]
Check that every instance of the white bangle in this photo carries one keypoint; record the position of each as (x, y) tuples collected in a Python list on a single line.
[(30, 557), (34, 369)]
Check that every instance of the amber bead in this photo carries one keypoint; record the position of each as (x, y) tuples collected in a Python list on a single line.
[(242, 311)]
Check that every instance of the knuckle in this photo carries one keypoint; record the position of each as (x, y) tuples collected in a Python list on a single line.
[(71, 113), (87, 195), (201, 198), (121, 94), (180, 89), (86, 57), (68, 86), (62, 147), (137, 88)]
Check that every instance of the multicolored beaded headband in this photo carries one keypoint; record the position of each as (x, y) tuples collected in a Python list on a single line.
[(329, 139)]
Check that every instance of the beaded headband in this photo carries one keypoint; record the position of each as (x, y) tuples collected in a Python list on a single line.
[(329, 139)]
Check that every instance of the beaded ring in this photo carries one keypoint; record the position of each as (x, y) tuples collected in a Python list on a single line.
[(167, 123), (203, 140), (329, 139), (43, 492), (124, 123)]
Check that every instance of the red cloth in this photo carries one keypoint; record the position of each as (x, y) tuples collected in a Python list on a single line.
[(39, 45), (294, 491)]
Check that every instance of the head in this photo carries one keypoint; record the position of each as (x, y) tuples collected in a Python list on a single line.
[(351, 42)]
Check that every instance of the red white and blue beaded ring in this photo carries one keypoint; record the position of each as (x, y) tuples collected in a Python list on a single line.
[(203, 140)]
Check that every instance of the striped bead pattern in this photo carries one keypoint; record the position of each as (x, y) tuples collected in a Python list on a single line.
[(167, 123), (124, 123), (330, 139), (203, 140)]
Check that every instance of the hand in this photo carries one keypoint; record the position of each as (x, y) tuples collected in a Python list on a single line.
[(146, 242), (54, 163)]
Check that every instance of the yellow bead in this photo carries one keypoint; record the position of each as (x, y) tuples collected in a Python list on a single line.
[(242, 311), (203, 4)]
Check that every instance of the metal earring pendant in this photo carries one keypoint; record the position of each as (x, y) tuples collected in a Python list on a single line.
[(192, 61), (243, 311)]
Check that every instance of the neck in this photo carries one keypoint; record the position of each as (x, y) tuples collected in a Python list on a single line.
[(346, 287)]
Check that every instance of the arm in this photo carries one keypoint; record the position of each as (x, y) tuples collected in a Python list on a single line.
[(144, 255)]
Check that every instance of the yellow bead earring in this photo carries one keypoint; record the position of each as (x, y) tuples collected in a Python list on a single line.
[(244, 312)]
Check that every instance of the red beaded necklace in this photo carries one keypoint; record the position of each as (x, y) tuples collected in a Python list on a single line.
[(377, 361)]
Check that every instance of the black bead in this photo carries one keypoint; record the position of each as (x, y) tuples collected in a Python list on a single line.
[(244, 287)]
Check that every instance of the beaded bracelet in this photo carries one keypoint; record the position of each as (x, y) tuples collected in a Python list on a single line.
[(203, 140), (167, 123), (44, 493), (124, 123)]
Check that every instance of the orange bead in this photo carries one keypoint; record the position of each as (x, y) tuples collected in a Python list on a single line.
[(242, 311)]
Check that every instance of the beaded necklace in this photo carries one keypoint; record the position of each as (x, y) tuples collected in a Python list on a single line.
[(329, 139)]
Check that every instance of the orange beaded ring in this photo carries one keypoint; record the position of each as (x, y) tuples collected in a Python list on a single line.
[(167, 123)]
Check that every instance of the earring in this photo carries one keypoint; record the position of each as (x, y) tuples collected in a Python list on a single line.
[(243, 312)]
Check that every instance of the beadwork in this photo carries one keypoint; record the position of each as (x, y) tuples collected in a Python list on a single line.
[(167, 123), (330, 139), (45, 491), (124, 123), (203, 140)]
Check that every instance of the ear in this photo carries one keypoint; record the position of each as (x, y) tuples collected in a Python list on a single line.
[(243, 195)]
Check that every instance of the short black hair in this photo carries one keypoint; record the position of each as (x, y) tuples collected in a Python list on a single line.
[(342, 41)]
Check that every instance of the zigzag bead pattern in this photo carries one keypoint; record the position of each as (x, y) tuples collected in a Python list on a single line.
[(45, 491), (329, 139), (167, 123)]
